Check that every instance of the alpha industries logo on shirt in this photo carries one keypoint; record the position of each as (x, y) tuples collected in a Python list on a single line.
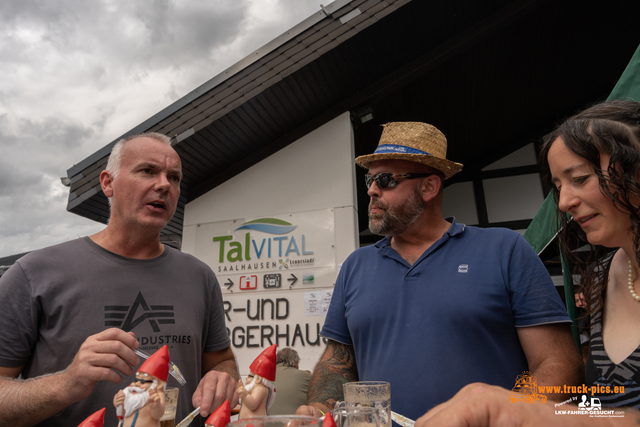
[(128, 317)]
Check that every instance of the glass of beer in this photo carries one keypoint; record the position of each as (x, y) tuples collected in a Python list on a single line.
[(374, 394), (358, 416), (170, 406)]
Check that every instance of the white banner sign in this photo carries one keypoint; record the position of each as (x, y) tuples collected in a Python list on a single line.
[(280, 252), (292, 319)]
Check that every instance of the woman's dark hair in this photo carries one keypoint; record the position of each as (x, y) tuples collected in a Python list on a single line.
[(611, 128)]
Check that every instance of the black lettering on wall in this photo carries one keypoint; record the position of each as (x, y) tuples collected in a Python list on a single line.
[(285, 335), (317, 341), (227, 309), (257, 316), (297, 334), (250, 336), (285, 314), (264, 302), (266, 335), (238, 336)]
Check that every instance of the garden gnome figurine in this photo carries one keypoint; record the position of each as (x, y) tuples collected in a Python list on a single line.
[(94, 420), (220, 417), (259, 394), (328, 421), (142, 403)]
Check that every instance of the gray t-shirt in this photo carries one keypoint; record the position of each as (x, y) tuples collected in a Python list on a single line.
[(51, 300)]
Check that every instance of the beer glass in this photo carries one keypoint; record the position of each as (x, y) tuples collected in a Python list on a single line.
[(170, 406), (277, 421), (374, 394), (358, 416)]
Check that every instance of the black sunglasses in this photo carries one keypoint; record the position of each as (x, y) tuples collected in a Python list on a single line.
[(388, 180), (141, 381)]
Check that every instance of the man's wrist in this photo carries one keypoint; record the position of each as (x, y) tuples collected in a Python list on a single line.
[(228, 367)]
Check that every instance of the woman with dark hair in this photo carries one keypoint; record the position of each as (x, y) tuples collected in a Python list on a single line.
[(592, 163)]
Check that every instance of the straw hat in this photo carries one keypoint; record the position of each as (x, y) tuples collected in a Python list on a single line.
[(415, 142)]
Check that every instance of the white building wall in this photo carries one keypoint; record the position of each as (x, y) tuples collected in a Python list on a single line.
[(507, 199), (312, 177)]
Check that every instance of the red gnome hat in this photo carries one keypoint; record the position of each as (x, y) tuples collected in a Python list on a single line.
[(265, 364), (328, 421), (221, 416), (157, 365), (95, 420)]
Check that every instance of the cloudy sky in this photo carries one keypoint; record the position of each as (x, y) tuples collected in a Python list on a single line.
[(77, 74)]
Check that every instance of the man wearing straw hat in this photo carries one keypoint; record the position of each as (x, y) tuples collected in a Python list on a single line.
[(435, 304)]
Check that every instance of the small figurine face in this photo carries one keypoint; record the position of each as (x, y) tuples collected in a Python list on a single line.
[(251, 377), (143, 381)]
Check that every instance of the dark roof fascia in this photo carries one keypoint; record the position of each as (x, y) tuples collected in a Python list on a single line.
[(73, 203), (212, 83), (11, 259)]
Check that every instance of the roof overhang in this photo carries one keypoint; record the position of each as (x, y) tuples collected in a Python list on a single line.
[(492, 75)]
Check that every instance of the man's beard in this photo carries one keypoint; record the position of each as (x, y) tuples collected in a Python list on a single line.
[(134, 401), (396, 220)]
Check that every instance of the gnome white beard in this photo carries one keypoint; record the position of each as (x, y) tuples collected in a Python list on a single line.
[(249, 386), (134, 401), (269, 384)]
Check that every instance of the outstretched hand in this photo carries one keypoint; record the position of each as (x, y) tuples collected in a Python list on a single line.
[(482, 405)]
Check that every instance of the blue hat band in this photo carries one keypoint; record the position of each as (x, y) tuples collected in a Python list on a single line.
[(399, 149)]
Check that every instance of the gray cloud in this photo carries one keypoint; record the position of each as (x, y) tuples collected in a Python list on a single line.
[(78, 74)]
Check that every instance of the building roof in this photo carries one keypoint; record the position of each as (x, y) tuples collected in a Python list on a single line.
[(493, 75), (8, 261)]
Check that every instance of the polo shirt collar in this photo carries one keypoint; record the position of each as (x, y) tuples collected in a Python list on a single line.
[(454, 229)]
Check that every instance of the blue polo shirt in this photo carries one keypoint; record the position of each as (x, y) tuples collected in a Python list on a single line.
[(448, 320)]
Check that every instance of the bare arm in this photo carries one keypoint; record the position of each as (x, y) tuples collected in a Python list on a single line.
[(156, 403), (336, 367), (552, 356), (219, 381), (481, 405), (26, 403), (100, 358)]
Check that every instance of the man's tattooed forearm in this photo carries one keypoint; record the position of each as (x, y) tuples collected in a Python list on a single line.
[(338, 366)]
